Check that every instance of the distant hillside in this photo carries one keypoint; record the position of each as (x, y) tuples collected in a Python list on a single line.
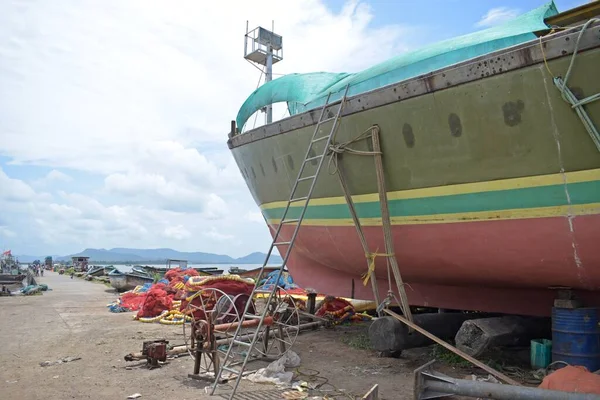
[(158, 256), (259, 258), (104, 255), (164, 254)]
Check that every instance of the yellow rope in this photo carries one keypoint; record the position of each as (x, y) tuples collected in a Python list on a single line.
[(371, 269)]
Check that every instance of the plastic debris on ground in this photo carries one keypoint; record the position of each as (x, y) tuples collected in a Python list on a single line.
[(59, 361), (34, 289), (275, 372)]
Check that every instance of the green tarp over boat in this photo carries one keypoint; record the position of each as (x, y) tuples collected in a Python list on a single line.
[(303, 92)]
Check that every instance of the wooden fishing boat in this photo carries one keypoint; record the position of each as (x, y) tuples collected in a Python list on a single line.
[(9, 279), (96, 270), (201, 270), (491, 158), (108, 269), (128, 280)]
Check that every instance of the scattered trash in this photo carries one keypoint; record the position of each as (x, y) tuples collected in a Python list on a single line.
[(489, 378), (59, 361), (294, 395), (134, 396), (275, 371)]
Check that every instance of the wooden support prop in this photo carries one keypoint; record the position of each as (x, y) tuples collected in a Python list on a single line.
[(372, 394), (453, 349), (387, 224)]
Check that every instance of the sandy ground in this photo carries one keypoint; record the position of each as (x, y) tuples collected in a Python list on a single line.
[(72, 320)]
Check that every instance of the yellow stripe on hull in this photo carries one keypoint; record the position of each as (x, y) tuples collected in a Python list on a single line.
[(466, 188), (521, 213)]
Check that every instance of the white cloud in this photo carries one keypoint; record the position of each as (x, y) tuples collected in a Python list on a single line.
[(14, 190), (58, 176), (254, 216), (177, 232), (4, 231), (134, 99), (497, 16), (214, 234)]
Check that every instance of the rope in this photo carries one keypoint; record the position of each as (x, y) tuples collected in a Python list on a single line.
[(336, 150), (568, 95), (371, 269)]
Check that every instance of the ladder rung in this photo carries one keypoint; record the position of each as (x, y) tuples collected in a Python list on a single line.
[(242, 343), (252, 316), (281, 243), (299, 199), (306, 178), (319, 139), (312, 158), (233, 370), (289, 221), (326, 120), (264, 291)]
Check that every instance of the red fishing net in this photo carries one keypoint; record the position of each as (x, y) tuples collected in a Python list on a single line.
[(156, 301), (132, 301)]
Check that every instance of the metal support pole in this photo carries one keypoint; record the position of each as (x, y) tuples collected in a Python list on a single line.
[(269, 78), (431, 384)]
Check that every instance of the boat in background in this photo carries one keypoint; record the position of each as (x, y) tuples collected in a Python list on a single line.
[(236, 270), (10, 279), (95, 270), (128, 280), (493, 179), (183, 264), (108, 269)]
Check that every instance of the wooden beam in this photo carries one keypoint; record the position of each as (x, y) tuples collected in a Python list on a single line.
[(453, 349), (372, 394)]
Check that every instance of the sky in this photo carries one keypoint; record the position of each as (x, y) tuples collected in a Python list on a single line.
[(114, 114)]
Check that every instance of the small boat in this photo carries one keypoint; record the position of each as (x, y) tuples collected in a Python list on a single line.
[(209, 270), (108, 269), (128, 280), (237, 270), (96, 270), (253, 273), (9, 279), (201, 270), (140, 269)]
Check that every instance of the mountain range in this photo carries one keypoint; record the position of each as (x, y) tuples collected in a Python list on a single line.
[(155, 256)]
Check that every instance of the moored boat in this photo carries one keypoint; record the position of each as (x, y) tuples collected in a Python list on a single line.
[(9, 279), (128, 280), (95, 270), (492, 166), (108, 269)]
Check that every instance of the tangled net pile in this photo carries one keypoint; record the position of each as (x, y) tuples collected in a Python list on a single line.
[(165, 301)]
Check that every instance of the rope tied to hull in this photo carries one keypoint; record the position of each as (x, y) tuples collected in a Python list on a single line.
[(569, 96), (371, 267), (335, 151)]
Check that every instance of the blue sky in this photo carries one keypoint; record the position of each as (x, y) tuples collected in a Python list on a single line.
[(113, 114)]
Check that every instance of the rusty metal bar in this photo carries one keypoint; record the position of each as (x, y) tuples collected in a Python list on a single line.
[(431, 384)]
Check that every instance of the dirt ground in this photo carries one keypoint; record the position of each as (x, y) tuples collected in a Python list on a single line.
[(72, 320)]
